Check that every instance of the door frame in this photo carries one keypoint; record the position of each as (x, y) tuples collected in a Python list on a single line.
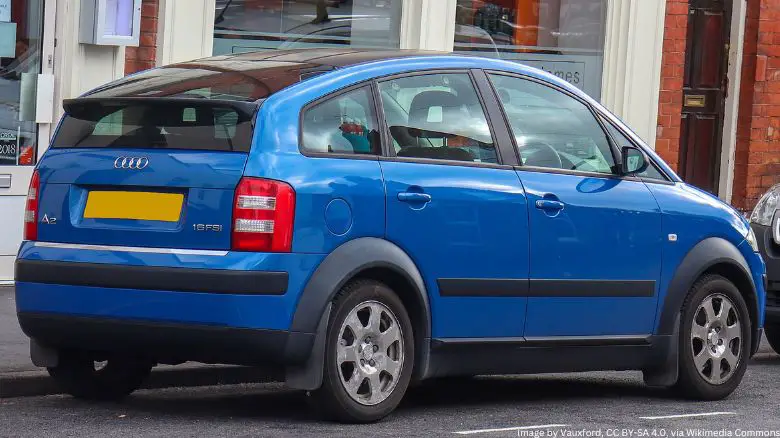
[(734, 77), (48, 46), (692, 51)]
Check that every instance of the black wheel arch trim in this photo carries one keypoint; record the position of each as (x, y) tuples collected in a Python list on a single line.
[(342, 265), (703, 256)]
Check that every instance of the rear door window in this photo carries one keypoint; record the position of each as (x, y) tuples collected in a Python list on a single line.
[(155, 125), (437, 116), (342, 124)]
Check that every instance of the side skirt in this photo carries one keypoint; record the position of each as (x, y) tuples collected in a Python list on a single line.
[(470, 356)]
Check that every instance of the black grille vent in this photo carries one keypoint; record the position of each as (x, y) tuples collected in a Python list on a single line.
[(773, 298)]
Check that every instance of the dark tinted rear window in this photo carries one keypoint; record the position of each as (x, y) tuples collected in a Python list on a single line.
[(155, 124)]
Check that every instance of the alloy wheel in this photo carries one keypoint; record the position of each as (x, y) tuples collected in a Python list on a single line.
[(716, 339), (370, 353)]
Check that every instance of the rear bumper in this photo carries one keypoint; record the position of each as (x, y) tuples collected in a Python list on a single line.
[(168, 342), (234, 308)]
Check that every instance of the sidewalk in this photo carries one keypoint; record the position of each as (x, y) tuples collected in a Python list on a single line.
[(20, 378)]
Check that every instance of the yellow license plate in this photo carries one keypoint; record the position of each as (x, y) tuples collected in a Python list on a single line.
[(145, 206)]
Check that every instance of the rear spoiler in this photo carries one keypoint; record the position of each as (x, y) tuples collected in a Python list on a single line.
[(247, 109)]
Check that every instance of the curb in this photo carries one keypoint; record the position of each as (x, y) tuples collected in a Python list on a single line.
[(38, 383)]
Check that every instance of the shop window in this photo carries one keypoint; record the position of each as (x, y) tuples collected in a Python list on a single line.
[(20, 64), (251, 25), (563, 37)]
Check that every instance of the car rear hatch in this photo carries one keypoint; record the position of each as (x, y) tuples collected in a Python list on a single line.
[(144, 172)]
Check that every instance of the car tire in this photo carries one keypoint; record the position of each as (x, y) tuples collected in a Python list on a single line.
[(77, 374), (772, 333), (367, 316), (715, 340)]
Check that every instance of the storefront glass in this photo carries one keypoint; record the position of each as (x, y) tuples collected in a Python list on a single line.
[(20, 48), (563, 37), (250, 25)]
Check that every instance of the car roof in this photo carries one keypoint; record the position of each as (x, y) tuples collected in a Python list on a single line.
[(335, 57), (244, 77)]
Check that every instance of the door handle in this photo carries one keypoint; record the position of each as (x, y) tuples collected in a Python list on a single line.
[(414, 197), (548, 204)]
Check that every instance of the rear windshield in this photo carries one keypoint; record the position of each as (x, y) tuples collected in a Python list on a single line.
[(155, 125)]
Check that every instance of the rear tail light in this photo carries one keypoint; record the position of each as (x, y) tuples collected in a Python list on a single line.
[(31, 208), (263, 215)]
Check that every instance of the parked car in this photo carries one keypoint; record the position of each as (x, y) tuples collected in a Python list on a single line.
[(367, 219), (766, 224)]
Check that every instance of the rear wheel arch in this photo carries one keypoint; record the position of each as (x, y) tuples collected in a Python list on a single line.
[(363, 258), (412, 299)]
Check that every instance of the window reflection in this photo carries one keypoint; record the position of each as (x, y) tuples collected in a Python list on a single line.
[(250, 25), (563, 37)]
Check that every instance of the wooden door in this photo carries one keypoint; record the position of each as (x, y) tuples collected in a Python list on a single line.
[(704, 92)]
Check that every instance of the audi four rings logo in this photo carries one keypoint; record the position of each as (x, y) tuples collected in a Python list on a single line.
[(134, 163)]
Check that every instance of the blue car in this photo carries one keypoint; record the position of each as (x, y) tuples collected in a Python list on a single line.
[(363, 220)]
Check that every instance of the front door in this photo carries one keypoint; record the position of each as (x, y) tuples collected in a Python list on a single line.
[(704, 92), (25, 80), (460, 216), (595, 237)]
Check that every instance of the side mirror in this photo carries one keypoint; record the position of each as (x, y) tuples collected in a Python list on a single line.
[(634, 160)]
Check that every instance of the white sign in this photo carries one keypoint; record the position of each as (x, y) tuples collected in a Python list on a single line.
[(571, 72), (5, 10), (7, 40)]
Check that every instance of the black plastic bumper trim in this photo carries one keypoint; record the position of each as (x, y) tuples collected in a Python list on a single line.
[(218, 281), (168, 341)]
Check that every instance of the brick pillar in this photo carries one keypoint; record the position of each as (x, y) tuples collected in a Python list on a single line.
[(753, 67), (757, 161), (144, 56), (672, 73)]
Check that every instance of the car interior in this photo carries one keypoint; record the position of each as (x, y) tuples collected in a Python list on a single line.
[(441, 123)]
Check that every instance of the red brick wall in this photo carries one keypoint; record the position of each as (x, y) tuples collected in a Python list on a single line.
[(143, 57), (757, 156), (672, 70)]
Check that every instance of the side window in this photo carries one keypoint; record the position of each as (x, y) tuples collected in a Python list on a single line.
[(552, 129), (343, 124), (652, 171), (437, 116)]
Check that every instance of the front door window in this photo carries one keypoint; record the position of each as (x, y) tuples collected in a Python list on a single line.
[(20, 64)]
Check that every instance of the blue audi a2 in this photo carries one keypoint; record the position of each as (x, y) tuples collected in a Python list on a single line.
[(363, 220)]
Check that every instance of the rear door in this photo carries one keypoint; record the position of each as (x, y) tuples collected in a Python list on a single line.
[(595, 236), (460, 215), (144, 172)]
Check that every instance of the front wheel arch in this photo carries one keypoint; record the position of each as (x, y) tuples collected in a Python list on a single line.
[(713, 255)]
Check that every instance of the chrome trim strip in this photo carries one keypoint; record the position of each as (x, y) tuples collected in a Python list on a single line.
[(175, 251)]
